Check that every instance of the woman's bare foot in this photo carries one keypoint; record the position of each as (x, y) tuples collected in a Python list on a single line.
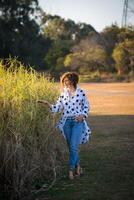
[(71, 175), (78, 170)]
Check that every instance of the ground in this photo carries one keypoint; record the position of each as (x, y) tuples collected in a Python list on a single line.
[(108, 159)]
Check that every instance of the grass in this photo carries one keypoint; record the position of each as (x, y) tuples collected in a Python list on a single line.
[(29, 143), (107, 160), (31, 150)]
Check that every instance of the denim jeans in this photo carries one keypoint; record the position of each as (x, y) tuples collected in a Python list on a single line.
[(73, 132)]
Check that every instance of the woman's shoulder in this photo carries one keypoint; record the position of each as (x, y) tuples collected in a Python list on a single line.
[(63, 93), (80, 90), (80, 93)]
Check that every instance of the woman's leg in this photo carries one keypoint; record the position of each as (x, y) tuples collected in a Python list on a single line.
[(68, 131), (74, 143)]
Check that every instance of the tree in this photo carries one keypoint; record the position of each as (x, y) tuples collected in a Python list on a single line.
[(110, 37), (84, 30), (88, 54), (56, 27), (126, 33), (64, 34), (20, 33), (56, 53), (123, 55)]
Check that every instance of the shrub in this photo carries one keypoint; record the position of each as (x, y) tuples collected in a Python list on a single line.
[(31, 149)]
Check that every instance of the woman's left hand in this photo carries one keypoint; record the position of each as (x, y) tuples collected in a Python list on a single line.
[(79, 118)]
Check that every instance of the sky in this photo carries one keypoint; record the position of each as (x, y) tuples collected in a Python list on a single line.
[(97, 13)]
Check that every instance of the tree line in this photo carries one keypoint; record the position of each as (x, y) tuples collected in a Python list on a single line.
[(53, 44)]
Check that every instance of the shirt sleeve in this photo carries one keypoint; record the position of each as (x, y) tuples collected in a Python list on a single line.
[(85, 106), (58, 106)]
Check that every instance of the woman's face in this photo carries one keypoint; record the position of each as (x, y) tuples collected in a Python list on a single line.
[(67, 83)]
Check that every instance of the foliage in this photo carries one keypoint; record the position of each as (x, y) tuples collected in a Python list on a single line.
[(126, 33), (110, 36), (20, 34), (58, 50), (123, 55), (54, 28), (57, 28), (49, 43), (31, 149), (64, 35), (90, 77), (87, 53), (114, 39)]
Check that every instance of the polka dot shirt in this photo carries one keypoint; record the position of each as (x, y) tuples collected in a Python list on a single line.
[(74, 105)]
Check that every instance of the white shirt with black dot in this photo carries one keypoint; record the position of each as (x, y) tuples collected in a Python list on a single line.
[(74, 105)]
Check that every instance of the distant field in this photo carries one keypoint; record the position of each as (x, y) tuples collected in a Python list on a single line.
[(110, 98)]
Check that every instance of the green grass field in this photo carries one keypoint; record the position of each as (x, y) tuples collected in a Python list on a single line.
[(108, 159)]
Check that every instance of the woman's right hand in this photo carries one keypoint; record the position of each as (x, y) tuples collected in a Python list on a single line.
[(44, 102)]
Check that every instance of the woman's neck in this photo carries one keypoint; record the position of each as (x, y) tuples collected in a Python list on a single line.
[(71, 90)]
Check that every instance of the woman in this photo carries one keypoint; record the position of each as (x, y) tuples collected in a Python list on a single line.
[(75, 107)]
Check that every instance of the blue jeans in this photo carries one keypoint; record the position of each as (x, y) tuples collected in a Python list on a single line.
[(73, 132)]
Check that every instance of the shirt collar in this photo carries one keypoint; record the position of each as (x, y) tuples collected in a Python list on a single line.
[(77, 88)]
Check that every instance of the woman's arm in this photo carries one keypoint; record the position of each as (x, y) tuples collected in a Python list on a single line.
[(57, 107), (85, 106)]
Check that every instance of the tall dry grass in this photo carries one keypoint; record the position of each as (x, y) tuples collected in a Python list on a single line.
[(30, 148)]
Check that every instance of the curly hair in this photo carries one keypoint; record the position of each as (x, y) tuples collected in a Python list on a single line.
[(72, 77)]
